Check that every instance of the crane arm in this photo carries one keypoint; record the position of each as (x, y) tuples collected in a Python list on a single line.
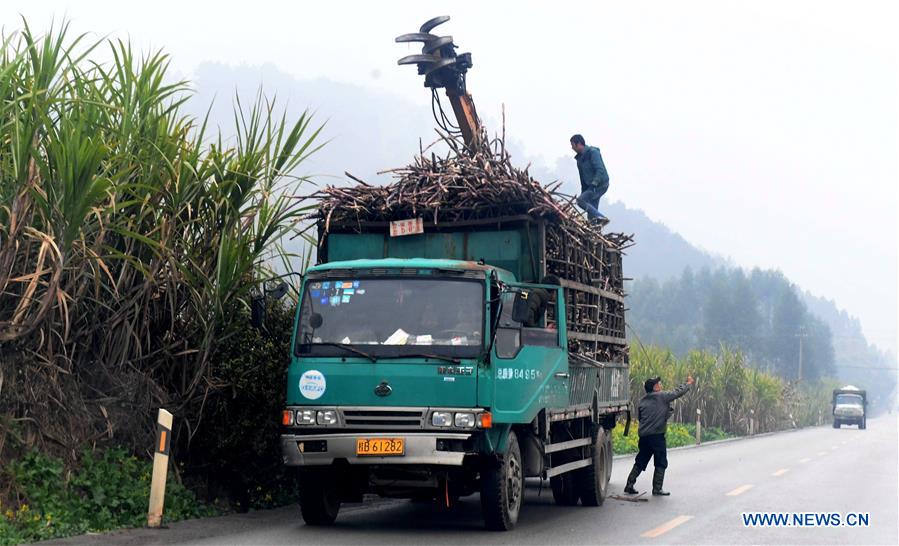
[(443, 68)]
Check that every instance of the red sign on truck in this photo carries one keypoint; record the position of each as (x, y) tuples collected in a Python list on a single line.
[(407, 227)]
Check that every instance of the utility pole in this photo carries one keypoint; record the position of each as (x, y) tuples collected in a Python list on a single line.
[(800, 335)]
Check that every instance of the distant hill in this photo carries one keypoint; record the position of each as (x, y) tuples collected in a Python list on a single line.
[(366, 131), (857, 361), (659, 252)]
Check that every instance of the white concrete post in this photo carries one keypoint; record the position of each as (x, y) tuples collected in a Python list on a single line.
[(698, 426), (160, 467)]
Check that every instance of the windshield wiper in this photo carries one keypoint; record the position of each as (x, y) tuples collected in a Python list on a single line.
[(349, 348), (450, 359)]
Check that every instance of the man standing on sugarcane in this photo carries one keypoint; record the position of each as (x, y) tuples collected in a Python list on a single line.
[(653, 414), (594, 177)]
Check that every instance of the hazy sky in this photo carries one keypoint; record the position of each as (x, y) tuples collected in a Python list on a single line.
[(762, 131)]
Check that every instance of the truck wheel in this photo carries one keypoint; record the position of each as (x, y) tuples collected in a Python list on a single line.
[(319, 498), (565, 491), (594, 479), (836, 424), (863, 424), (502, 488)]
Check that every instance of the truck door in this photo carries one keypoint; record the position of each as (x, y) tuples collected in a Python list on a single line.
[(529, 361)]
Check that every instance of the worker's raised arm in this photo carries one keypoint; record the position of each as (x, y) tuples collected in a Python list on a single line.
[(678, 392)]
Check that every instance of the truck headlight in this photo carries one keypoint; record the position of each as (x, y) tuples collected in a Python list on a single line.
[(441, 419), (464, 420), (326, 417), (306, 417)]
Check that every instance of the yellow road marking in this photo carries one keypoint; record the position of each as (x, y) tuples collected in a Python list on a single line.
[(805, 460), (781, 472), (665, 527), (740, 490)]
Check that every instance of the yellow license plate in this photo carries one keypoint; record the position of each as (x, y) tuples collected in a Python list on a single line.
[(381, 447)]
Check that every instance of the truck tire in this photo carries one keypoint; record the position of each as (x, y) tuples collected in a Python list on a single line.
[(502, 488), (836, 424), (863, 424), (319, 498), (593, 480)]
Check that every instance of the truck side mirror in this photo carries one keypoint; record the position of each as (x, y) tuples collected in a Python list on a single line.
[(257, 311), (278, 292), (520, 309)]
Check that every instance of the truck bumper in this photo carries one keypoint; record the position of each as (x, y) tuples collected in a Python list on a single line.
[(420, 448)]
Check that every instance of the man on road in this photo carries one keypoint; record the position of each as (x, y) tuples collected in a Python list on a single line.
[(594, 178), (653, 414)]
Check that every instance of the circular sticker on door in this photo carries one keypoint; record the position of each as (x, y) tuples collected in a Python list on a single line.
[(312, 384)]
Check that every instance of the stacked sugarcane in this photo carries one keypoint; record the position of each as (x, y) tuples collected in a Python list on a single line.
[(485, 185)]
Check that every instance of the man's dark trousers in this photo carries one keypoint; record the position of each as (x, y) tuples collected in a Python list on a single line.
[(589, 199), (653, 447)]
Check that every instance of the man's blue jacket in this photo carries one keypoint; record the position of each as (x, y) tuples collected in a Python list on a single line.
[(591, 168)]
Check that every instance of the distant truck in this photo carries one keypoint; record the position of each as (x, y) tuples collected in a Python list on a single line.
[(424, 366), (850, 407)]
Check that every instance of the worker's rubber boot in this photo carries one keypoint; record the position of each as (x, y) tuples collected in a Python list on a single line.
[(658, 478), (631, 480)]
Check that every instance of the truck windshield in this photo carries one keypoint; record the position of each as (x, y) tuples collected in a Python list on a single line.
[(391, 317), (850, 399)]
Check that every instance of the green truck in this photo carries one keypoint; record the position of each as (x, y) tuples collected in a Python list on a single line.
[(850, 407), (434, 366)]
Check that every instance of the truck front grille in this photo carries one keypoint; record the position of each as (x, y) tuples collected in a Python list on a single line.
[(376, 418)]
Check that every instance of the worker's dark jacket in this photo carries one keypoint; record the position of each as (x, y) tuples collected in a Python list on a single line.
[(591, 169), (655, 409), (537, 300)]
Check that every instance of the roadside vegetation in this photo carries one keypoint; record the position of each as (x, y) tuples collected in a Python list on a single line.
[(730, 392), (132, 237), (106, 491)]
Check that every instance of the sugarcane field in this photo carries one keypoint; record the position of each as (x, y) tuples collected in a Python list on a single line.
[(523, 274)]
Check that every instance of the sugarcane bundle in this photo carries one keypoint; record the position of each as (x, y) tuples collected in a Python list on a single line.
[(482, 185)]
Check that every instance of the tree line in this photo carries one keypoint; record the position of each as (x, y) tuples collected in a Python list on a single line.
[(759, 312)]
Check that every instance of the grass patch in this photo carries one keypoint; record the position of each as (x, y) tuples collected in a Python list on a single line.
[(107, 490), (678, 435)]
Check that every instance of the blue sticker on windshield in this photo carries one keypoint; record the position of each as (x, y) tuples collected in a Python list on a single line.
[(316, 293), (345, 299), (326, 284), (324, 301), (348, 291), (355, 284)]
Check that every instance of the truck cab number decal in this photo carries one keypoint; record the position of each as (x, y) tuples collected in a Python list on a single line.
[(529, 374)]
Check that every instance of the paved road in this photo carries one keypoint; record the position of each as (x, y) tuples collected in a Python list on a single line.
[(811, 470)]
